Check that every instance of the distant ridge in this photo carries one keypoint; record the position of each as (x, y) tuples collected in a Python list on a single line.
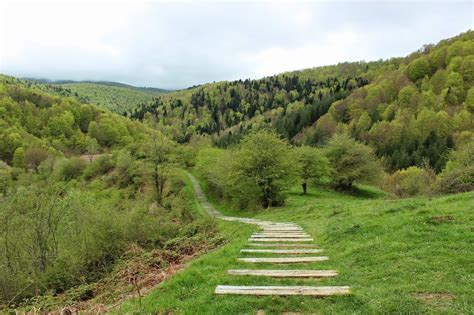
[(106, 83)]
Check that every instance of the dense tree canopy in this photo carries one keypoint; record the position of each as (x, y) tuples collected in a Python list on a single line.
[(411, 112)]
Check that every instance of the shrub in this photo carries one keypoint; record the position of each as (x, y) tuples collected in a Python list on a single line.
[(67, 169), (212, 165), (412, 181), (100, 166), (458, 174), (34, 156)]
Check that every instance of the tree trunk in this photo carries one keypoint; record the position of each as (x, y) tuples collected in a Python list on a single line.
[(304, 188)]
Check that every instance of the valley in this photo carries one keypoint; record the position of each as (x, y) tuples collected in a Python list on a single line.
[(357, 180)]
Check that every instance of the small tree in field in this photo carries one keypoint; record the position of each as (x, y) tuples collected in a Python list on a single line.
[(264, 161), (352, 161), (312, 166)]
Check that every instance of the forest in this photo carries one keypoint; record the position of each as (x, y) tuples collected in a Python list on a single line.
[(412, 111), (94, 197)]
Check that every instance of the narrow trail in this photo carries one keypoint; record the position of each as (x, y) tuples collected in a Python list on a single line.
[(285, 238)]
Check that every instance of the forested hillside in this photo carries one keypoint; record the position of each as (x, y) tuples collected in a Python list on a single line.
[(116, 97), (95, 227), (410, 113), (289, 102), (411, 110)]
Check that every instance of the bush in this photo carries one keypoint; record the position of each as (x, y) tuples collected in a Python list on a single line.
[(410, 182), (458, 174), (98, 167), (212, 165), (34, 156), (67, 169)]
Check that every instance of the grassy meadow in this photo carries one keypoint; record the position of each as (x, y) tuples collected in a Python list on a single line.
[(411, 255)]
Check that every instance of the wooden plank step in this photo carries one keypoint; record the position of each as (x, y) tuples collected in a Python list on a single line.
[(280, 232), (284, 273), (284, 260), (283, 245), (280, 226), (286, 239), (282, 290), (282, 229), (282, 251), (280, 235)]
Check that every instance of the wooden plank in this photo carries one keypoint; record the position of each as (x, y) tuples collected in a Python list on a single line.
[(282, 251), (280, 227), (283, 245), (281, 231), (280, 235), (280, 239), (284, 260), (282, 290), (284, 273)]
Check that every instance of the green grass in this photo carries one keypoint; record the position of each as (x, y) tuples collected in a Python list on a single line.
[(408, 256)]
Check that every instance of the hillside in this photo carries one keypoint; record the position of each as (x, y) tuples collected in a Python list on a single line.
[(66, 169), (397, 255), (96, 205), (408, 109), (114, 96), (117, 98)]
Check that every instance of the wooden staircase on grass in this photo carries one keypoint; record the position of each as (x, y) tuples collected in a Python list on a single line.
[(285, 238)]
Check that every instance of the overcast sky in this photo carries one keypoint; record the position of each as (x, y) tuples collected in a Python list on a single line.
[(179, 44)]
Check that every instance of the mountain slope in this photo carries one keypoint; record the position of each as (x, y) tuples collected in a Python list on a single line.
[(114, 96), (59, 247), (409, 256), (412, 110)]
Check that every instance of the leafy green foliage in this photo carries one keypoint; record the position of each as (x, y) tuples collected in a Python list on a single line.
[(67, 169), (312, 166), (263, 162), (411, 182), (458, 175), (418, 69), (256, 174), (43, 124), (352, 161), (56, 207), (415, 109)]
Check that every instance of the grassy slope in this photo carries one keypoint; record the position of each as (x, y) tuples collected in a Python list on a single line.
[(391, 252), (114, 98)]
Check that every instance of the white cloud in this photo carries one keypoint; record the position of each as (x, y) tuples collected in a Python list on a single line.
[(344, 45), (178, 44)]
